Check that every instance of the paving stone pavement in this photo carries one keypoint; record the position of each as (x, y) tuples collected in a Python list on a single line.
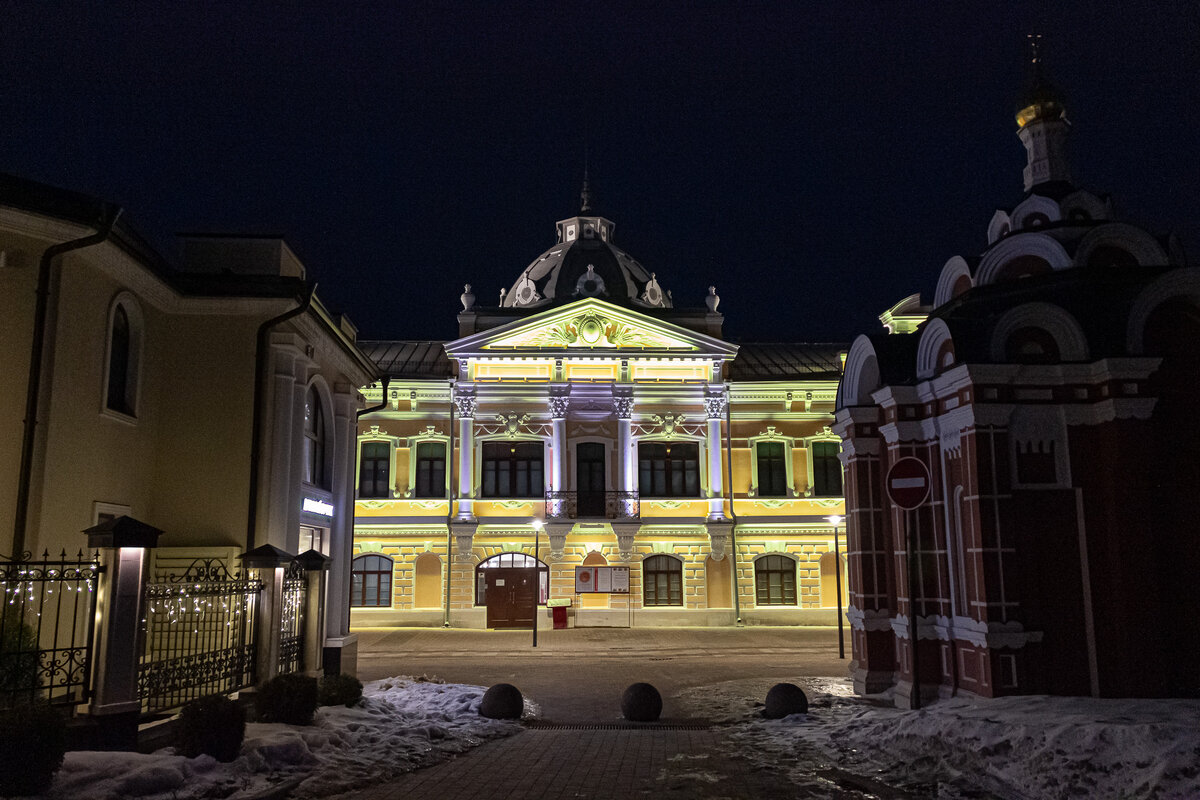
[(582, 749)]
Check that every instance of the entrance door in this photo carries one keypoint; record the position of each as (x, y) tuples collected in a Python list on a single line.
[(589, 479), (510, 595)]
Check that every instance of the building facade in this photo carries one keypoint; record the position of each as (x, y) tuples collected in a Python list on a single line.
[(1049, 395), (627, 428), (214, 400)]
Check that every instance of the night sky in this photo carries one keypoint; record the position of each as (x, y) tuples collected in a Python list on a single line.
[(816, 162)]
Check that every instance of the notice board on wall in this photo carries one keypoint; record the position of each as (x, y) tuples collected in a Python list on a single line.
[(605, 580)]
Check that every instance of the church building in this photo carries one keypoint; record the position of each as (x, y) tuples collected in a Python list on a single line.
[(1050, 394), (587, 421)]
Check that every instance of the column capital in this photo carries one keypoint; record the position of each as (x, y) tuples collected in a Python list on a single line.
[(623, 406), (714, 405), (559, 404), (464, 404)]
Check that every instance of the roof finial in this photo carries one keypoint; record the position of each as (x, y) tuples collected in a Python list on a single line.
[(1034, 40), (585, 197)]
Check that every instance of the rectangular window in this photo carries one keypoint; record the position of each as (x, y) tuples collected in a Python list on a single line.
[(374, 470), (772, 471), (512, 469), (669, 469), (431, 470), (1035, 463), (827, 470)]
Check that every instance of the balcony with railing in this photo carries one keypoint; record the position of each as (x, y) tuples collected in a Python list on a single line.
[(592, 505)]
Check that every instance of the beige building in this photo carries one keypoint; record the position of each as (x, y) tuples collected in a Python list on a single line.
[(695, 475), (215, 401)]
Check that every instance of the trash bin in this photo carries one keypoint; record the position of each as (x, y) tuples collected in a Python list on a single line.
[(560, 617)]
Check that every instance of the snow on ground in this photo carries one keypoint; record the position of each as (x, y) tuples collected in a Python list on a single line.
[(400, 724), (1013, 747)]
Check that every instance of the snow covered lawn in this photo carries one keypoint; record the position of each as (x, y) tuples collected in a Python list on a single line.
[(400, 724), (1015, 747)]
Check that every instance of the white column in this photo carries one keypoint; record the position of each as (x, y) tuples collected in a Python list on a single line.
[(714, 407), (283, 433), (464, 405), (558, 442), (341, 527), (626, 455)]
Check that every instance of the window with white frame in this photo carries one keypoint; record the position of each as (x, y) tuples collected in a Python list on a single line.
[(775, 581), (825, 469), (669, 469), (429, 470), (662, 581), (375, 469), (771, 468)]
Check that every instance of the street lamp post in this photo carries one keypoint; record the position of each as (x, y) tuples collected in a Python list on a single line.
[(836, 520), (537, 576)]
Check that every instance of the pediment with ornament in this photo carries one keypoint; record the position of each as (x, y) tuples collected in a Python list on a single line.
[(591, 325)]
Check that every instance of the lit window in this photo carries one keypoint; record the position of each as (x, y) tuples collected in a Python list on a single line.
[(669, 469), (775, 581), (371, 585), (374, 470), (431, 470), (512, 469), (772, 470), (662, 581), (827, 470)]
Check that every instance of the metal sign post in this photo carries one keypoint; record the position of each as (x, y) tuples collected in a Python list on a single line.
[(908, 485)]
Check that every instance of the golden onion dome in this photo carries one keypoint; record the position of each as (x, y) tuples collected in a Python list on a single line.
[(1042, 102)]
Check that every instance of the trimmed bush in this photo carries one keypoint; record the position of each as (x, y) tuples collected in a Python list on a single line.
[(502, 701), (641, 702), (340, 690), (784, 699), (290, 699), (214, 726), (33, 740)]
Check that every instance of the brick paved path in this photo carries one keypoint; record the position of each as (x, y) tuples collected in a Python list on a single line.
[(596, 765)]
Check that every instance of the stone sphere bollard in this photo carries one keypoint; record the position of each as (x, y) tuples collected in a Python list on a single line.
[(641, 702), (502, 701), (784, 699)]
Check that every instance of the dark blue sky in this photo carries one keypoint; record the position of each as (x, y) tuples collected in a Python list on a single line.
[(816, 162)]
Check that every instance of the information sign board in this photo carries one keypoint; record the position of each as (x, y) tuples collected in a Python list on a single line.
[(604, 580)]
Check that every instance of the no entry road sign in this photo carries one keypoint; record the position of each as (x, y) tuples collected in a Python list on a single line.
[(908, 482)]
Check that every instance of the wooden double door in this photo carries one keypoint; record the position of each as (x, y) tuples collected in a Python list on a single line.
[(511, 595)]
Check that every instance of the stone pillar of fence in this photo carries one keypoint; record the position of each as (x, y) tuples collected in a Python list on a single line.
[(268, 561), (124, 544), (316, 570)]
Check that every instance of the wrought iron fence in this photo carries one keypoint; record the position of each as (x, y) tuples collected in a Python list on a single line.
[(199, 634), (291, 632), (609, 505), (46, 628)]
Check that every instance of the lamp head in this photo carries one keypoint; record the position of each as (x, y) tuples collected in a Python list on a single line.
[(834, 519), (537, 524)]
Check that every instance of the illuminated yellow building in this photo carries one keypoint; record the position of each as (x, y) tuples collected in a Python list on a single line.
[(587, 403)]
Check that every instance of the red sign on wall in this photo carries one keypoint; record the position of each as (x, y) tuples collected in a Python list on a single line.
[(908, 482)]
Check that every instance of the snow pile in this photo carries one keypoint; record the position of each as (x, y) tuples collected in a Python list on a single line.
[(1013, 747), (399, 725)]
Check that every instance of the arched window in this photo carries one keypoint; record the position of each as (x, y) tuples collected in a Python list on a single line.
[(314, 440), (511, 561), (427, 581), (124, 349), (662, 581), (371, 585), (775, 581)]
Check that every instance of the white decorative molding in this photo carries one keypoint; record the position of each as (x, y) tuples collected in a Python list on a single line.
[(872, 619)]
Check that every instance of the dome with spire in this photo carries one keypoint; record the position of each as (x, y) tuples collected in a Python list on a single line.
[(1041, 101), (584, 262)]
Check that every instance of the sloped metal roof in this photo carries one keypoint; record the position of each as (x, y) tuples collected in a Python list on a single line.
[(777, 361), (410, 359)]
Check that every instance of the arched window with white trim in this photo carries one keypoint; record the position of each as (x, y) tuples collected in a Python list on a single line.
[(662, 581), (371, 581)]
